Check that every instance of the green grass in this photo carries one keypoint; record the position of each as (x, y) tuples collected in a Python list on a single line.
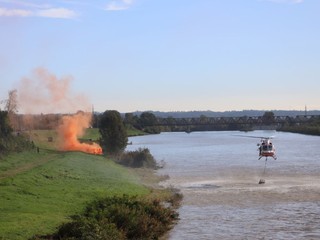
[(135, 132), (40, 191), (92, 133), (40, 138)]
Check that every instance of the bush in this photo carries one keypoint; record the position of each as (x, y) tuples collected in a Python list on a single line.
[(89, 229), (119, 218), (137, 159)]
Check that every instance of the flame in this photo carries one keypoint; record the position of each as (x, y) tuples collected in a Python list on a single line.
[(73, 127)]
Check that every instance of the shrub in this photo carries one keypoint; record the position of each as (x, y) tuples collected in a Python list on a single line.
[(89, 229), (137, 159), (119, 218)]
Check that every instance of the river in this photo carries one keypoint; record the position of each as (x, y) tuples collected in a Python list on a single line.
[(218, 174)]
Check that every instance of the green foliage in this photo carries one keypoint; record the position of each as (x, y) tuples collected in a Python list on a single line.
[(120, 218), (309, 130), (268, 118), (137, 159), (312, 128), (130, 119), (90, 229), (5, 132), (5, 128), (148, 122), (8, 141), (147, 119), (113, 133), (152, 130)]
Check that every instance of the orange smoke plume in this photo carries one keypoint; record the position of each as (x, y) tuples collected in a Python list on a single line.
[(71, 129), (44, 92)]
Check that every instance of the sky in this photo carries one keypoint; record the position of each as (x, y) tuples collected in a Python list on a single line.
[(168, 55)]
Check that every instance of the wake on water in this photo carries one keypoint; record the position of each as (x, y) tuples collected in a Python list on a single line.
[(239, 188), (237, 207)]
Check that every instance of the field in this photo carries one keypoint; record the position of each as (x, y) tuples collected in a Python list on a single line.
[(40, 190)]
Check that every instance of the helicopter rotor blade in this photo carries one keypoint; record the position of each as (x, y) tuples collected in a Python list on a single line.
[(249, 136)]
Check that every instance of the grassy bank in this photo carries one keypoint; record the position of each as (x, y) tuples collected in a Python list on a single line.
[(48, 187), (39, 191)]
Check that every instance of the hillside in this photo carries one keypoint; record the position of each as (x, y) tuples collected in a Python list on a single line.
[(39, 191)]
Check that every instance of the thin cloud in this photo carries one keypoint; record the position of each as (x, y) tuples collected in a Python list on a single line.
[(119, 5), (25, 4), (47, 13), (4, 12), (57, 13), (63, 9), (16, 8)]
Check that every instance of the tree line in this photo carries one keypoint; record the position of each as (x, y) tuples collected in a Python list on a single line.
[(148, 122), (113, 127)]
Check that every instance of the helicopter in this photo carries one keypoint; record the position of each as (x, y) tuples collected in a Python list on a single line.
[(266, 148)]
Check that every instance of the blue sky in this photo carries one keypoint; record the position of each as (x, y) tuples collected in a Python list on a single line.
[(168, 55)]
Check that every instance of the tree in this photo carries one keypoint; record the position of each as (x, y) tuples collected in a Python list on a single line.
[(11, 106), (8, 141), (130, 119), (203, 118), (114, 137), (5, 129), (268, 118), (147, 119), (12, 102)]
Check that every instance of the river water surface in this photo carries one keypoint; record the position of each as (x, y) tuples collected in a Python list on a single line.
[(218, 174)]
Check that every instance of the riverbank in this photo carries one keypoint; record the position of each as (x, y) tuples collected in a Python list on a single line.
[(41, 190), (307, 130)]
